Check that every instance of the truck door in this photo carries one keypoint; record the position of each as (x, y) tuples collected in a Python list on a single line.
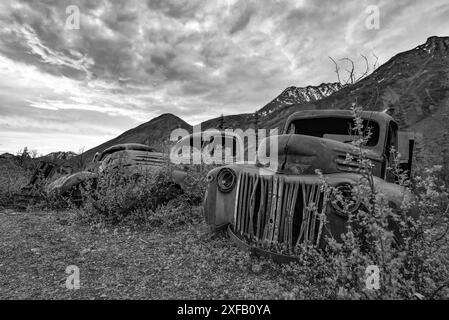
[(406, 143), (391, 143)]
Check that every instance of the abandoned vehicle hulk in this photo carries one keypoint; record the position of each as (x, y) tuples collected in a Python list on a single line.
[(274, 209), (133, 158)]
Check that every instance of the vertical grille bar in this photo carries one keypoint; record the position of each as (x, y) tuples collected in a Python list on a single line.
[(321, 218), (252, 207), (243, 206), (248, 204), (261, 212), (291, 213), (269, 197), (285, 206), (272, 216), (278, 209), (237, 202)]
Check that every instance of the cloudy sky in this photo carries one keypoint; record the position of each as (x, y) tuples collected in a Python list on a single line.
[(64, 89)]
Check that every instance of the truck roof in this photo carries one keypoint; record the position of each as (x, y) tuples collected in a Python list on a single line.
[(325, 113)]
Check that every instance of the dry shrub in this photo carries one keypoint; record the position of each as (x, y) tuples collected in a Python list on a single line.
[(145, 197), (12, 178)]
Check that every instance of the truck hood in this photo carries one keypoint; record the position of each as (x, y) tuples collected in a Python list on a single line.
[(300, 154)]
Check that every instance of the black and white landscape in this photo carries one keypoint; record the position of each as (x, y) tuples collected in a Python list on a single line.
[(93, 205)]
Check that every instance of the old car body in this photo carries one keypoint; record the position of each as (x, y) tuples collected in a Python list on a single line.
[(205, 147), (275, 208), (133, 158)]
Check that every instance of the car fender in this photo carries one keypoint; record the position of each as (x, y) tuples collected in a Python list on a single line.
[(66, 183)]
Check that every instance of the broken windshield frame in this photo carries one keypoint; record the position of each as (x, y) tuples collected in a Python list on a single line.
[(339, 129)]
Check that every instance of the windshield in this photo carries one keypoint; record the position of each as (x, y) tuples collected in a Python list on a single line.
[(339, 129)]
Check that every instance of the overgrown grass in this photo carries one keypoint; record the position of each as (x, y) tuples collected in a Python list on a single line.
[(12, 178), (143, 198)]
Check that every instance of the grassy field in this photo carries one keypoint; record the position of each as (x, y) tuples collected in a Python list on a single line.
[(142, 240), (118, 263), (166, 258)]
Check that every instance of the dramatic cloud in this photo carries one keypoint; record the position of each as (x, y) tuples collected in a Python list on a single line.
[(130, 61)]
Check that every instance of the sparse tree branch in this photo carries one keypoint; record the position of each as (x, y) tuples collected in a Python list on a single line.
[(366, 68), (350, 71), (353, 76), (375, 62), (337, 69)]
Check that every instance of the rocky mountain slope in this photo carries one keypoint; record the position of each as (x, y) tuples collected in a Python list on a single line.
[(59, 156), (297, 95), (415, 83)]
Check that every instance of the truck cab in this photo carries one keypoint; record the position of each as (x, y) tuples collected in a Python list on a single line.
[(338, 125), (268, 204)]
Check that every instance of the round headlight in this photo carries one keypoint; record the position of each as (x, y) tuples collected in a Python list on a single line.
[(344, 199), (226, 179)]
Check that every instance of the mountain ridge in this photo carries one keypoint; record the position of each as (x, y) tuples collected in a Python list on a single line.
[(300, 95), (152, 133), (414, 82)]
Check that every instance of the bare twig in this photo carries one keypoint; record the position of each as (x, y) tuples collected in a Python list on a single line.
[(375, 62), (337, 69), (366, 69), (350, 71)]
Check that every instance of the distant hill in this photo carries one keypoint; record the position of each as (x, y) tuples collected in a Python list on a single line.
[(151, 133), (7, 155), (59, 156)]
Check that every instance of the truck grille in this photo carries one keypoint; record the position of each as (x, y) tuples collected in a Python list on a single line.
[(271, 210)]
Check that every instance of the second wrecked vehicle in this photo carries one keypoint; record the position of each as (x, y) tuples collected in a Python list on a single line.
[(266, 206), (133, 158)]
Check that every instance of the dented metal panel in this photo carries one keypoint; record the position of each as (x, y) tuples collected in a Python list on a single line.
[(271, 210)]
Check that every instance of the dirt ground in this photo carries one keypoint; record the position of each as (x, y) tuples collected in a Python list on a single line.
[(187, 263)]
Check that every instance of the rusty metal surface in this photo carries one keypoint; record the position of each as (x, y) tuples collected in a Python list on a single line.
[(277, 257), (270, 210), (301, 154), (383, 120), (122, 147), (380, 117), (66, 183), (133, 158)]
